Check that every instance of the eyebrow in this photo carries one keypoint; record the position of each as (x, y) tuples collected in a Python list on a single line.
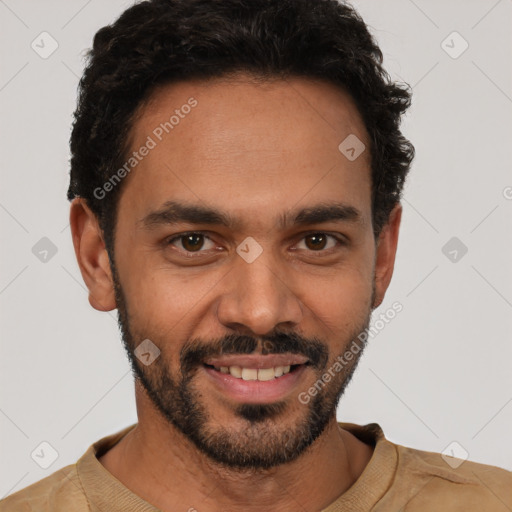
[(173, 212)]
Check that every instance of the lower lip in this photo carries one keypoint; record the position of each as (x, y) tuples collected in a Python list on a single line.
[(255, 391)]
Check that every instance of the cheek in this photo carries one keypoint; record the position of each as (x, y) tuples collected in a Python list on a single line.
[(342, 300), (162, 302), (341, 304)]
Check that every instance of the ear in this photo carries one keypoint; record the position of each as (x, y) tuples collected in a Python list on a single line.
[(92, 256), (386, 252)]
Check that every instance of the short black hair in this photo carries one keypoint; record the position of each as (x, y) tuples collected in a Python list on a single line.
[(159, 42)]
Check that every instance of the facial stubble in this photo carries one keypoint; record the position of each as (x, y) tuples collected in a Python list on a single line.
[(266, 440)]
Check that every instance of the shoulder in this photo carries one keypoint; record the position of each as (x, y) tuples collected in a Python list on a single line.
[(421, 481), (60, 491), (433, 479), (64, 489)]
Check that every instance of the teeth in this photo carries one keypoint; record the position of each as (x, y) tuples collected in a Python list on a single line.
[(250, 374), (236, 371), (262, 374), (266, 374)]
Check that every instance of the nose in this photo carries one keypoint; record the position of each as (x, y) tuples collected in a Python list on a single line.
[(259, 298)]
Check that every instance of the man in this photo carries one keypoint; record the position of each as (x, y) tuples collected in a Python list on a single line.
[(236, 176)]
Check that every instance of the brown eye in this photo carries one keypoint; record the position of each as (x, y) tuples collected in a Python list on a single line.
[(320, 242), (316, 242), (191, 242)]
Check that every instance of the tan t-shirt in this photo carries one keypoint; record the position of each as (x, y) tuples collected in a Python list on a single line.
[(396, 479)]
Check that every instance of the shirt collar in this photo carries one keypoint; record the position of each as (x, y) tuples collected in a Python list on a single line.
[(106, 493)]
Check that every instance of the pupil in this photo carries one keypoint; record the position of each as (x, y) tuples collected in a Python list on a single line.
[(192, 242), (318, 237)]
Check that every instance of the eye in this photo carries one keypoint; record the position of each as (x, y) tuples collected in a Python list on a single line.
[(197, 243), (320, 242), (191, 242)]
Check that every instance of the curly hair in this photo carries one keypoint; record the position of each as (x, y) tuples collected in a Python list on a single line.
[(159, 42)]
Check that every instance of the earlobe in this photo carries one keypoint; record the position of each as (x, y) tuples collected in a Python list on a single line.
[(386, 252), (92, 256)]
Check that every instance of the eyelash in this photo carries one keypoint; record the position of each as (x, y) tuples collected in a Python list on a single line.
[(340, 240)]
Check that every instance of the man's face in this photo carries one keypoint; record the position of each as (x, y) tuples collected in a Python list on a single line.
[(264, 294)]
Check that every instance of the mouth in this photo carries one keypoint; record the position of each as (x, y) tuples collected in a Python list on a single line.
[(259, 374), (256, 378)]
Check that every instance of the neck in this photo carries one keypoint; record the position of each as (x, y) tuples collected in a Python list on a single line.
[(159, 464)]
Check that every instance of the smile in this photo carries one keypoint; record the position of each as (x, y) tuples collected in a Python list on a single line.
[(261, 374), (256, 378)]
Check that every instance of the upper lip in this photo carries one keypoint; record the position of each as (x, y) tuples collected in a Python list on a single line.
[(257, 360)]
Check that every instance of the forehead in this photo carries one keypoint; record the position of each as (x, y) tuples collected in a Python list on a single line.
[(247, 146)]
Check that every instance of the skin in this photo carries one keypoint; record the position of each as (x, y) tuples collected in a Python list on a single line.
[(254, 151)]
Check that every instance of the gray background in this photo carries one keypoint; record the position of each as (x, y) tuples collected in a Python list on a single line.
[(439, 372)]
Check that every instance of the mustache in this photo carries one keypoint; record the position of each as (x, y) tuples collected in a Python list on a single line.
[(195, 352)]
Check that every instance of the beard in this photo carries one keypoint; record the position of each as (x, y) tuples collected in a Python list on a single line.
[(266, 439)]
